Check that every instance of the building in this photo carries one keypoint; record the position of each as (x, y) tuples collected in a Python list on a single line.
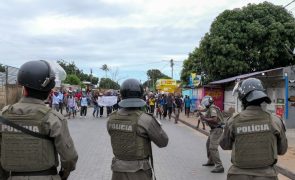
[(280, 87)]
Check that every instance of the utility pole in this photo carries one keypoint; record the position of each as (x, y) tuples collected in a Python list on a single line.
[(289, 3), (6, 85), (171, 65)]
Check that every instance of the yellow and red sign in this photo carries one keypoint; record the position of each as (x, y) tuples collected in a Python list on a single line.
[(166, 85)]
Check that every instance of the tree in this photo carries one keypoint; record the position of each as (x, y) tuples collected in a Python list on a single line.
[(107, 83), (253, 38), (2, 68), (153, 76), (71, 68), (105, 68), (72, 79), (191, 65)]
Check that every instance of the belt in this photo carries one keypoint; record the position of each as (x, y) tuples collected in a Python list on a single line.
[(51, 171)]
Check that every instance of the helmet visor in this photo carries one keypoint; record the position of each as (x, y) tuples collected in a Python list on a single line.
[(132, 102), (254, 95)]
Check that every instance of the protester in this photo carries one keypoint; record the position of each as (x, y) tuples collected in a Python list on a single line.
[(152, 102), (164, 106), (169, 105), (84, 104), (71, 105), (61, 100), (159, 105), (55, 101), (187, 105), (177, 104), (95, 105)]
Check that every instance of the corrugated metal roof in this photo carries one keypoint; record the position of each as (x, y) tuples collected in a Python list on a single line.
[(243, 76)]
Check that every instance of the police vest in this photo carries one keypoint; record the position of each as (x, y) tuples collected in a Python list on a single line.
[(219, 116), (126, 143), (255, 144), (22, 152)]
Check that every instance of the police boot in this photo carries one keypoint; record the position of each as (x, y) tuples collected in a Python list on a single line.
[(218, 170), (208, 164)]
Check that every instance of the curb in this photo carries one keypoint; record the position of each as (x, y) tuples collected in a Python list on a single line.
[(280, 169)]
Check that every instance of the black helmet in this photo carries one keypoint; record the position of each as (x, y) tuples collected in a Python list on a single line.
[(36, 75), (252, 89), (131, 92), (207, 101)]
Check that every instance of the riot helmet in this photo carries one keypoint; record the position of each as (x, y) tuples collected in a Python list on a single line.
[(131, 92), (251, 89), (207, 101), (36, 75)]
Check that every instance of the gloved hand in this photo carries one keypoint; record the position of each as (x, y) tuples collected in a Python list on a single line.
[(64, 174)]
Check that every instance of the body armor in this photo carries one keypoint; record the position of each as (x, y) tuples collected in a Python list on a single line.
[(126, 143), (219, 116), (22, 152), (255, 143)]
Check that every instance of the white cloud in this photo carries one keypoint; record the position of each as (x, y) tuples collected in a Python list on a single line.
[(120, 33)]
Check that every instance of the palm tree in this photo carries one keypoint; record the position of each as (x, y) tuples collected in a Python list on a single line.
[(105, 68)]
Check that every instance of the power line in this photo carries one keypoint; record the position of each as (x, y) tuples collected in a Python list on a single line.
[(289, 3)]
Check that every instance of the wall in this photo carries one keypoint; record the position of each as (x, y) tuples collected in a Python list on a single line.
[(290, 120), (217, 94)]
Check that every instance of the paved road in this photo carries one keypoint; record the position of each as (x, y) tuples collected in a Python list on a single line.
[(180, 160)]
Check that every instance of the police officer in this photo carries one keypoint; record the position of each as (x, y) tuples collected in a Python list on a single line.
[(131, 131), (255, 136), (32, 135), (213, 118)]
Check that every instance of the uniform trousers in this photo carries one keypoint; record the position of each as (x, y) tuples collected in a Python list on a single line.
[(212, 147), (249, 177), (139, 175)]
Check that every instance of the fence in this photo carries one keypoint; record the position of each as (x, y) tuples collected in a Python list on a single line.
[(10, 92)]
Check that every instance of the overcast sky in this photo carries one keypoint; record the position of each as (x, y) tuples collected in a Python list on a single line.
[(130, 36)]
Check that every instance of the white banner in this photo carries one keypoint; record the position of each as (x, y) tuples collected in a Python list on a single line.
[(107, 100)]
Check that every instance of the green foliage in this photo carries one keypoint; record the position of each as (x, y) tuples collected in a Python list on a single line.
[(191, 65), (71, 68), (153, 76), (107, 83), (2, 68), (253, 38), (105, 68), (72, 79)]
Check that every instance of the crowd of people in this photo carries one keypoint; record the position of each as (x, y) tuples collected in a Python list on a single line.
[(79, 101), (163, 105)]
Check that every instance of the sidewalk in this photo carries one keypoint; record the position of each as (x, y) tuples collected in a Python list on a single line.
[(285, 163)]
